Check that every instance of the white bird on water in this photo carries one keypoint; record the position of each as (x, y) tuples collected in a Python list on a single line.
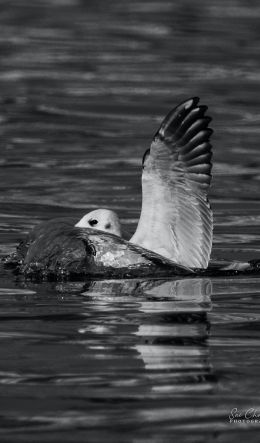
[(174, 232)]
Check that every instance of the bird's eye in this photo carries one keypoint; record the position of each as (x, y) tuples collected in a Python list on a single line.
[(93, 222)]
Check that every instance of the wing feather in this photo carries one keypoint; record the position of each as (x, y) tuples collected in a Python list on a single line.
[(176, 219)]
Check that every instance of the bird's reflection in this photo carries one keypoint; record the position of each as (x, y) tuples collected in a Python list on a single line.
[(187, 289), (170, 329), (154, 330)]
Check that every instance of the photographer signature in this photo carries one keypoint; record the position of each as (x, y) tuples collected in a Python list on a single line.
[(250, 415)]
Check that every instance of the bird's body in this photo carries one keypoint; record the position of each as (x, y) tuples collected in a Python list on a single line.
[(60, 250)]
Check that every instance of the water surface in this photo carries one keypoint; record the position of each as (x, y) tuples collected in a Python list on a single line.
[(84, 86)]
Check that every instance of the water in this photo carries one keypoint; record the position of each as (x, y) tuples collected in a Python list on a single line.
[(83, 87)]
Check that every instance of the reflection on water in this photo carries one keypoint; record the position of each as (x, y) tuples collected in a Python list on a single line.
[(121, 355), (83, 87), (113, 340)]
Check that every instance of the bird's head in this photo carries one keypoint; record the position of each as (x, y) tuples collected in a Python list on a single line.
[(101, 219)]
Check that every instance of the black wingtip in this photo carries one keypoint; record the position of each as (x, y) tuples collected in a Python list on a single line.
[(183, 121), (185, 130), (194, 100), (174, 118)]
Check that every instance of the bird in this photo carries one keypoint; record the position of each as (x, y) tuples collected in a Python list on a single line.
[(175, 229)]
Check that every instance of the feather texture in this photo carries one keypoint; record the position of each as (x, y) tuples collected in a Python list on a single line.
[(66, 251), (176, 219)]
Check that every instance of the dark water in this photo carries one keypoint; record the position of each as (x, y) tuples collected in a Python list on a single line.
[(83, 86)]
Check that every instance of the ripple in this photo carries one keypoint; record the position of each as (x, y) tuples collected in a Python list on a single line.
[(84, 86)]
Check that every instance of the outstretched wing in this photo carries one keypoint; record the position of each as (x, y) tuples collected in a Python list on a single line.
[(176, 219)]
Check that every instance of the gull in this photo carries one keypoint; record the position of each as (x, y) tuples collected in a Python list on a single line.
[(174, 232)]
